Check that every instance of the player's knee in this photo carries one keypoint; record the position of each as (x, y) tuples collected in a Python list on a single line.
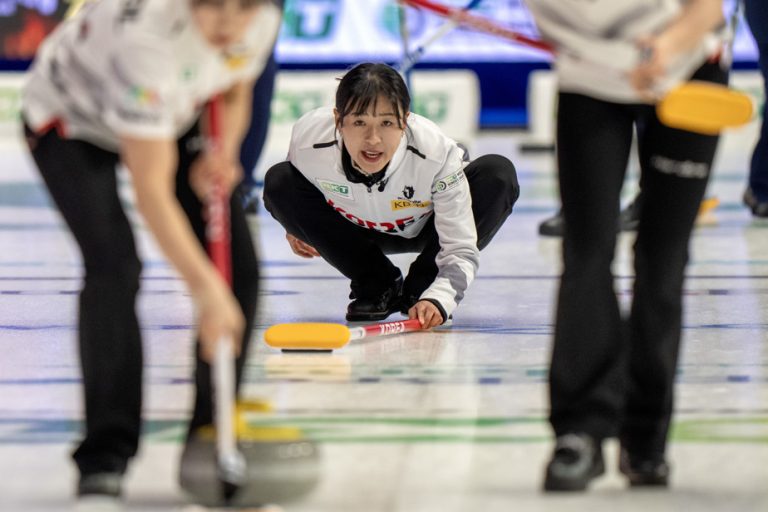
[(279, 185), (499, 174)]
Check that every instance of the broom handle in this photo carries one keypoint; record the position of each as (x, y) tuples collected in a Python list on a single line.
[(462, 17), (230, 460), (384, 329), (217, 229)]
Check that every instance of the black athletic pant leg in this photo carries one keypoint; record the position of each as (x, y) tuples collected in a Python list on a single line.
[(82, 181), (354, 251), (586, 374), (610, 377), (675, 166)]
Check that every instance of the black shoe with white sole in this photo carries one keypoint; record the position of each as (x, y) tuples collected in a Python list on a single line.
[(100, 492), (577, 460), (104, 484)]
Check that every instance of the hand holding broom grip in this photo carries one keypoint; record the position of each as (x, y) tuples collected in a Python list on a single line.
[(230, 461)]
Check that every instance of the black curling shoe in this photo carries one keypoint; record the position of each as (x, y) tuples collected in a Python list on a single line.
[(759, 208), (375, 307), (644, 471), (578, 458)]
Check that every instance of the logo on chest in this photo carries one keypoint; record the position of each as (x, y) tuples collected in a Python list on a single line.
[(338, 189), (407, 201), (238, 56)]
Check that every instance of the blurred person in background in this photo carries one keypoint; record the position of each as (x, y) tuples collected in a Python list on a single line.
[(256, 135), (756, 195)]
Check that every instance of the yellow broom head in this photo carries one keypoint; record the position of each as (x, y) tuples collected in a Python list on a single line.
[(307, 336), (704, 108)]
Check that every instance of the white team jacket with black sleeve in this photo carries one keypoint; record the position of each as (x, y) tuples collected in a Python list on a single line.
[(425, 177)]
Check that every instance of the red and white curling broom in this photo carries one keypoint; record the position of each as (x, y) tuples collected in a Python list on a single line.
[(232, 468), (329, 336)]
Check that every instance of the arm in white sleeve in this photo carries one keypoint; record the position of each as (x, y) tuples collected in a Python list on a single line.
[(459, 257)]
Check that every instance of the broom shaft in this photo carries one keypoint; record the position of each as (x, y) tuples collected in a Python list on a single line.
[(230, 460), (384, 329)]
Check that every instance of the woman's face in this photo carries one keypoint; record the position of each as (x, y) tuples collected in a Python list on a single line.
[(223, 22), (373, 136)]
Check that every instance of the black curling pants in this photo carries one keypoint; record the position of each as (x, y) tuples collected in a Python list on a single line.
[(360, 253), (82, 181), (613, 376)]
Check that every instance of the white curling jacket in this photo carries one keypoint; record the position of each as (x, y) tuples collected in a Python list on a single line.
[(595, 43), (136, 68), (424, 178)]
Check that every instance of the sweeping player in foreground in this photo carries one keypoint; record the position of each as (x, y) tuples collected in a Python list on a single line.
[(369, 178), (123, 82), (612, 376)]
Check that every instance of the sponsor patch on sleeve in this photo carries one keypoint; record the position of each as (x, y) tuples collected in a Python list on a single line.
[(449, 182)]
